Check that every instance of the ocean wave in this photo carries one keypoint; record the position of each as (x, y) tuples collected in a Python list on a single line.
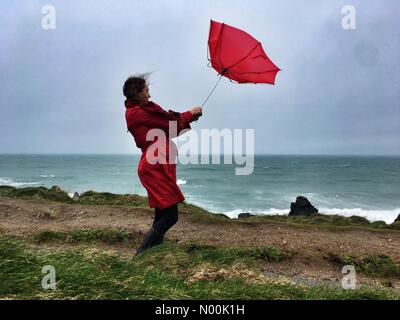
[(12, 183), (372, 215), (344, 165), (316, 199), (272, 211), (388, 216), (181, 181), (47, 175)]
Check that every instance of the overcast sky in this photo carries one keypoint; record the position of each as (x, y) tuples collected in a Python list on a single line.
[(338, 91)]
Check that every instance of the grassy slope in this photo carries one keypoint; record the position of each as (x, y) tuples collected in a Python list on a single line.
[(169, 271), (164, 272)]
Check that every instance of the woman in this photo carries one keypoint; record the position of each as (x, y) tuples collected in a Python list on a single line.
[(156, 170)]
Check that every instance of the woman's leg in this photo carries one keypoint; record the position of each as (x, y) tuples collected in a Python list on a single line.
[(169, 216), (166, 218), (157, 217)]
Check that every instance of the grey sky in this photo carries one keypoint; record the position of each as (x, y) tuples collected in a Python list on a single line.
[(338, 92)]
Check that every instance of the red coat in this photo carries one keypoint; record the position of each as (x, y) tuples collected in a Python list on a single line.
[(159, 179)]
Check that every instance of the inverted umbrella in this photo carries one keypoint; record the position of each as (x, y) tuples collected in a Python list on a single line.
[(237, 56)]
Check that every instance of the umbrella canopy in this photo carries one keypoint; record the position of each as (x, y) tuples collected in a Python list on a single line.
[(238, 56)]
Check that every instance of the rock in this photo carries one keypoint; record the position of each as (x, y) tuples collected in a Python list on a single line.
[(245, 215), (55, 189), (302, 207), (396, 223), (76, 196), (51, 213), (55, 212)]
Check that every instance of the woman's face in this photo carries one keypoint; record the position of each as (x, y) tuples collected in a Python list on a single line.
[(144, 96)]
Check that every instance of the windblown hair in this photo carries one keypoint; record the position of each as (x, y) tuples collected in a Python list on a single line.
[(134, 85)]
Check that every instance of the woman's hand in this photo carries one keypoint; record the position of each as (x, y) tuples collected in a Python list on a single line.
[(197, 112)]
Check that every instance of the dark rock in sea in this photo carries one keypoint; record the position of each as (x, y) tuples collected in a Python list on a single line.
[(55, 189), (302, 207), (245, 215), (76, 196), (396, 223)]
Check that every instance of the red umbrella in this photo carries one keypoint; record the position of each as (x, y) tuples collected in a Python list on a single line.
[(237, 56)]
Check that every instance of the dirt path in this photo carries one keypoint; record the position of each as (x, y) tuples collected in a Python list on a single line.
[(311, 244)]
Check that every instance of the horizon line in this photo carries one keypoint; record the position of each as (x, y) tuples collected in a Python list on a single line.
[(200, 154)]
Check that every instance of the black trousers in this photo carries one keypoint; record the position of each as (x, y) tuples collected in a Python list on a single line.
[(165, 218)]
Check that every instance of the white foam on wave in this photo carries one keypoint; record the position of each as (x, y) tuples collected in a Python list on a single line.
[(180, 181), (12, 183), (47, 175), (318, 200), (372, 215), (387, 216), (272, 211)]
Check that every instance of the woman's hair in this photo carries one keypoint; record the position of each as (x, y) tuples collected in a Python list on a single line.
[(134, 85)]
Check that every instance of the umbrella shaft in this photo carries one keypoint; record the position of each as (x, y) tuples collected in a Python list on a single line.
[(212, 90)]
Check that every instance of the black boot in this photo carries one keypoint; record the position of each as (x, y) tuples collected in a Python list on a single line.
[(148, 240), (159, 240)]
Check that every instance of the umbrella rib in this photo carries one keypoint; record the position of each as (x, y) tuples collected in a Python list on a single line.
[(220, 43)]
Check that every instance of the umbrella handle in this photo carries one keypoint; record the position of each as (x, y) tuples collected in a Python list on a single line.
[(211, 91)]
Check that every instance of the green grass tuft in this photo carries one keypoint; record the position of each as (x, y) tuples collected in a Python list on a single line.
[(88, 236), (50, 236), (331, 222), (53, 194), (381, 266), (106, 198)]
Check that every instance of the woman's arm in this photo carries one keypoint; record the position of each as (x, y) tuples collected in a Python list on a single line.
[(161, 120)]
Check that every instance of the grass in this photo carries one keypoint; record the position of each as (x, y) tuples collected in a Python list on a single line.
[(164, 272), (107, 236), (380, 266), (201, 251), (169, 271), (230, 254), (53, 194), (106, 198), (332, 222)]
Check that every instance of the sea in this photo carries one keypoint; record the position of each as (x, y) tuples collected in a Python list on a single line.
[(366, 186)]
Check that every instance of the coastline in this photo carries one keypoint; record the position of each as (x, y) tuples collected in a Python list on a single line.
[(364, 186), (306, 253)]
